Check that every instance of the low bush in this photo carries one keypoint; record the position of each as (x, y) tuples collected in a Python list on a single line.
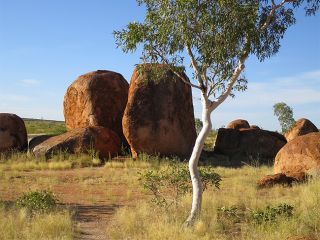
[(270, 213), (230, 213), (37, 201), (169, 184)]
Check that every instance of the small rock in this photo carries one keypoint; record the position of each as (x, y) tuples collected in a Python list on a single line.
[(238, 124), (281, 179)]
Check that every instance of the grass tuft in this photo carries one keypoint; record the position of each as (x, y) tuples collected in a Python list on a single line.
[(239, 210), (62, 161), (18, 224)]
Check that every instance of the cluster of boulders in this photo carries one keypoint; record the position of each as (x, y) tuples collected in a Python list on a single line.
[(103, 114), (299, 157), (296, 155), (93, 109), (154, 115), (240, 142)]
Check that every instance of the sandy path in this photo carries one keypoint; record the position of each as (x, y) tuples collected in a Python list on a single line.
[(92, 221)]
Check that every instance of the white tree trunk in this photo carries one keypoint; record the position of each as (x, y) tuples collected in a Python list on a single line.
[(194, 159)]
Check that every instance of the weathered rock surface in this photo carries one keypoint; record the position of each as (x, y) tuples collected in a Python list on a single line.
[(159, 115), (82, 140), (96, 99), (238, 124), (248, 145), (301, 154), (35, 141), (301, 127), (13, 133), (281, 179), (302, 238)]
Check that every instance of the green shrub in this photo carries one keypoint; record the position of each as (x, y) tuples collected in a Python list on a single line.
[(169, 184), (37, 201), (228, 212), (232, 215), (270, 214)]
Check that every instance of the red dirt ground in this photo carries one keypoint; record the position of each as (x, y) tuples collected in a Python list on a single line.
[(93, 194)]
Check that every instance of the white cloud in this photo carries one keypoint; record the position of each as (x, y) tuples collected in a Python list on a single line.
[(302, 92), (300, 89), (29, 82)]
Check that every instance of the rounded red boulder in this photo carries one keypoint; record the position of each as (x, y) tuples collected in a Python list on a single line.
[(96, 99)]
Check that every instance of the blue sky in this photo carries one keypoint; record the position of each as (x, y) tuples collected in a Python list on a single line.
[(46, 44)]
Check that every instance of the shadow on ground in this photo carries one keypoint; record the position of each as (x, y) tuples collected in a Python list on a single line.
[(92, 220)]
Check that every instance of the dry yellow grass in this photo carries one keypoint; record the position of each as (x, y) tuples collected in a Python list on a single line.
[(17, 224), (61, 161), (238, 188), (117, 183)]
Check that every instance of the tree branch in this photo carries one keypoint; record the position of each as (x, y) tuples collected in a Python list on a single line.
[(195, 66), (244, 56), (236, 73), (214, 104), (183, 78), (165, 60), (272, 12)]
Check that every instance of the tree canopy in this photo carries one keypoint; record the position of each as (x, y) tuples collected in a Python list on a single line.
[(215, 35), (285, 116)]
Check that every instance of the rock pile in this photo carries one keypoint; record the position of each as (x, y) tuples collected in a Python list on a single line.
[(157, 119), (241, 143), (299, 158)]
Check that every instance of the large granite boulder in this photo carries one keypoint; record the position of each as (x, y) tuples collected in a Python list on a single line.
[(96, 99), (301, 154), (13, 133), (301, 127), (35, 141), (248, 144), (238, 124), (82, 140), (159, 117)]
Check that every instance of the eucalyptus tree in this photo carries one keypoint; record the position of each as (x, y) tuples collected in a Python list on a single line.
[(214, 38), (285, 116)]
